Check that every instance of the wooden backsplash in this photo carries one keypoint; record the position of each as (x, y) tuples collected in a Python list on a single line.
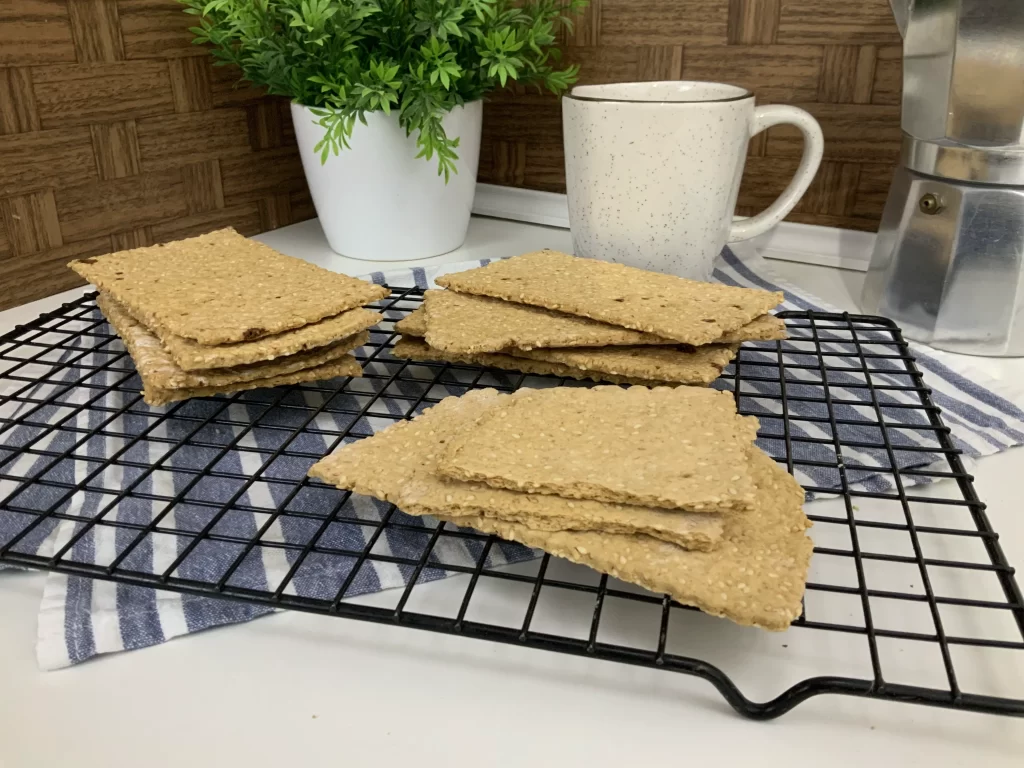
[(116, 132)]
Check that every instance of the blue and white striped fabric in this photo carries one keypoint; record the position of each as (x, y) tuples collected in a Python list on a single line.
[(80, 618)]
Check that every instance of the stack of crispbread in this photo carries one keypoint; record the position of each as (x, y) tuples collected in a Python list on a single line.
[(550, 313), (662, 487), (220, 313)]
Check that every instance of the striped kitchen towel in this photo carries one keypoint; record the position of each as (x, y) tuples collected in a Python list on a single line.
[(80, 618)]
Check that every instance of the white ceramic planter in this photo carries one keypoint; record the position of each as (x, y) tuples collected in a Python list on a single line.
[(378, 201)]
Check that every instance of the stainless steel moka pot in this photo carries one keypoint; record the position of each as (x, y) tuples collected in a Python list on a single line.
[(948, 263)]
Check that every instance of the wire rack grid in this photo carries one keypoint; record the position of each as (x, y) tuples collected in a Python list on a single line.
[(203, 497)]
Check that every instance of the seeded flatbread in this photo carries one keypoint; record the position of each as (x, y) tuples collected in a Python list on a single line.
[(755, 577), (399, 465), (681, 448), (343, 366), (413, 324), (417, 349), (462, 322), (689, 530), (687, 311), (221, 287), (382, 465), (696, 365), (158, 369), (190, 355), (763, 328)]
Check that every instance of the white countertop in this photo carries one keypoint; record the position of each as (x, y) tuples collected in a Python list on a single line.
[(296, 689)]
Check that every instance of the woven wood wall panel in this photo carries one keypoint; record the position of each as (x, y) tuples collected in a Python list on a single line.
[(117, 132), (839, 60)]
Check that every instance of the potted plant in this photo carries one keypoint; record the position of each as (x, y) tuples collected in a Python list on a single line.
[(386, 100)]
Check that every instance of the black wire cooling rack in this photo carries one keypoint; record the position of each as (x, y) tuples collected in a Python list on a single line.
[(910, 596)]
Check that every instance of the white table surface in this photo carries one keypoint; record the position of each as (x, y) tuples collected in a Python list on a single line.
[(296, 689)]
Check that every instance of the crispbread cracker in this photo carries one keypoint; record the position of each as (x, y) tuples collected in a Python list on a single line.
[(158, 369), (698, 365), (687, 311), (399, 465), (681, 448), (764, 328), (413, 324), (193, 356), (755, 577), (439, 496), (465, 324), (343, 366), (382, 465), (221, 287), (417, 349)]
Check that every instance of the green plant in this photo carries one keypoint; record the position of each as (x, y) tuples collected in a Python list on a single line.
[(343, 58)]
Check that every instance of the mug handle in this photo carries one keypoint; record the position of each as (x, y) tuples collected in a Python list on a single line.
[(814, 144)]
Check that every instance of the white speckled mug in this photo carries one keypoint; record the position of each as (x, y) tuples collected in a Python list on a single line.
[(653, 171)]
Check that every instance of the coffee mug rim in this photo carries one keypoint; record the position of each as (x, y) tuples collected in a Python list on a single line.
[(746, 94)]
